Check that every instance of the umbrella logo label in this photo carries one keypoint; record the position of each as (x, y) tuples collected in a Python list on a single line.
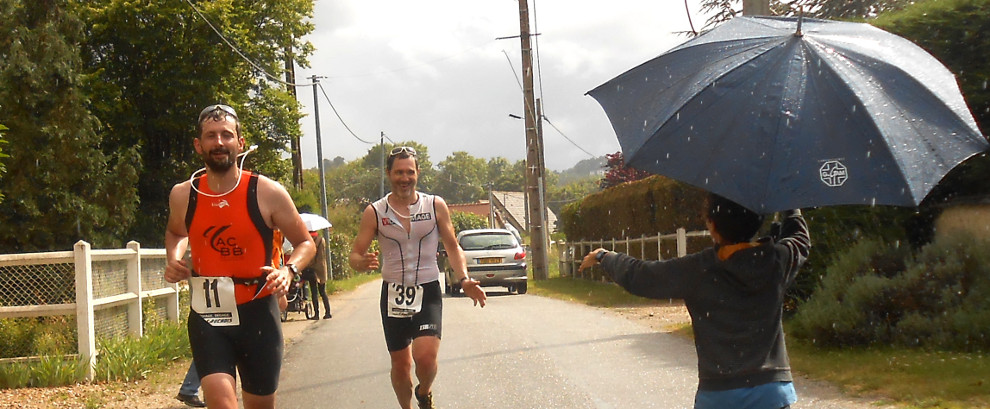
[(833, 173)]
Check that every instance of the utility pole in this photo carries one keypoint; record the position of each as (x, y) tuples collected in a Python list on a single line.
[(756, 7), (534, 160), (491, 205), (290, 77), (381, 144), (319, 157)]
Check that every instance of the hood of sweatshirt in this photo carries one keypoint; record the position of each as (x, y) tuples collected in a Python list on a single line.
[(749, 266)]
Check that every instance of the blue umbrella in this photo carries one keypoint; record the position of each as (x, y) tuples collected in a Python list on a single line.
[(779, 113)]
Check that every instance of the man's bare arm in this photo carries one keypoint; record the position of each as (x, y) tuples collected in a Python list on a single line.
[(455, 254), (176, 235)]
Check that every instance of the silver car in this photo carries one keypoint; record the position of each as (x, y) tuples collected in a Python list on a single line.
[(494, 257)]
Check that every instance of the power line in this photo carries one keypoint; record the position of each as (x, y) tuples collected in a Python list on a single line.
[(338, 116), (565, 137), (544, 117), (241, 54)]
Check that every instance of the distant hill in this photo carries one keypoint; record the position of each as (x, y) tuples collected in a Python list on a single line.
[(583, 169)]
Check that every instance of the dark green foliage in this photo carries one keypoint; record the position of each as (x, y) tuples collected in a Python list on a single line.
[(467, 221), (63, 182), (834, 230), (878, 294), (644, 207), (157, 63), (340, 247)]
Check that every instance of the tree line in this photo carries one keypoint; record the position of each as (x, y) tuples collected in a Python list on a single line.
[(100, 98)]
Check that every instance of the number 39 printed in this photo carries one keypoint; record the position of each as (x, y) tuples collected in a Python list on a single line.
[(404, 296)]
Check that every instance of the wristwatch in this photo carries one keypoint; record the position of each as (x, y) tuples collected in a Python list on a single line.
[(292, 268), (600, 255)]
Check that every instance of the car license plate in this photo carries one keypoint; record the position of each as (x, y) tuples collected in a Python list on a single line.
[(489, 260)]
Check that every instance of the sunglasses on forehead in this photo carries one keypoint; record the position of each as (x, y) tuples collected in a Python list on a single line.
[(217, 107), (403, 149)]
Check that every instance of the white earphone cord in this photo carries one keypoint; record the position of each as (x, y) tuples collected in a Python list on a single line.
[(242, 155)]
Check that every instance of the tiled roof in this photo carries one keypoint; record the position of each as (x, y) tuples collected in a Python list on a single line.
[(515, 204)]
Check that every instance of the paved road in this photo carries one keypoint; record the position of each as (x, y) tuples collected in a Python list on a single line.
[(518, 352)]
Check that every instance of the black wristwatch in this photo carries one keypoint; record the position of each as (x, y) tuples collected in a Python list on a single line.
[(292, 268), (600, 255)]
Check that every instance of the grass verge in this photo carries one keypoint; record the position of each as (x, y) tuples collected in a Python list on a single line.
[(350, 283)]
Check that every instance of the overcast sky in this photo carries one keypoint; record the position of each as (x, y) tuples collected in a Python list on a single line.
[(432, 72)]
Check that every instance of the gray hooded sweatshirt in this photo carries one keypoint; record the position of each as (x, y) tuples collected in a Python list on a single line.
[(734, 300)]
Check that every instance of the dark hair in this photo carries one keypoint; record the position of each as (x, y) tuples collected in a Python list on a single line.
[(217, 112), (736, 224), (400, 154)]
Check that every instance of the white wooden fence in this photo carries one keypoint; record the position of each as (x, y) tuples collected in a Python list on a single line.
[(110, 288), (573, 252)]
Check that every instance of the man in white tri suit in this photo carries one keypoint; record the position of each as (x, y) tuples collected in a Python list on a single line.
[(408, 225)]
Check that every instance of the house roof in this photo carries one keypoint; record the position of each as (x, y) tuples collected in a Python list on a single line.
[(511, 206)]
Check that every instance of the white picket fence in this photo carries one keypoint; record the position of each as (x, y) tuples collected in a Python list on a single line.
[(105, 290), (573, 252)]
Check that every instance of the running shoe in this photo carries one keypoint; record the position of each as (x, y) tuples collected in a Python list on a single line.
[(425, 402)]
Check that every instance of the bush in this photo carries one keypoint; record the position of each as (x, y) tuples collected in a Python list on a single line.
[(879, 294)]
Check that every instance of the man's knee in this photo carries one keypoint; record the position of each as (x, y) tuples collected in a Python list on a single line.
[(218, 390)]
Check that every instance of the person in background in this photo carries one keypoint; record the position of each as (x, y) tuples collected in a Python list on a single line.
[(189, 391), (316, 274), (734, 292)]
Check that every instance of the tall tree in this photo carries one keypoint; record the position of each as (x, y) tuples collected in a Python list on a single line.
[(503, 176), (159, 62), (2, 155), (462, 178), (65, 182)]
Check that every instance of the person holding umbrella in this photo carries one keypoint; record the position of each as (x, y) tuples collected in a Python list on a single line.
[(316, 273), (734, 292)]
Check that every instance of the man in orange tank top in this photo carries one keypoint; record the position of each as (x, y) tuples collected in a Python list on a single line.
[(226, 218)]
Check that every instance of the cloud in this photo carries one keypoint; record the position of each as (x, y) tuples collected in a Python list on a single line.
[(433, 72)]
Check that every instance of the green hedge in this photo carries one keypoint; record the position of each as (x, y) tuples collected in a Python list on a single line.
[(878, 293), (645, 207)]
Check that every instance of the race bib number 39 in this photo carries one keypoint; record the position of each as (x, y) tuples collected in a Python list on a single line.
[(213, 299), (403, 301)]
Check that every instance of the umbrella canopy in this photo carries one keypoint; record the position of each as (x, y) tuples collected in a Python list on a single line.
[(775, 119), (315, 222)]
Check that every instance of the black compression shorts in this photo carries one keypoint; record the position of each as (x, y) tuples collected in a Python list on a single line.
[(400, 332), (254, 347)]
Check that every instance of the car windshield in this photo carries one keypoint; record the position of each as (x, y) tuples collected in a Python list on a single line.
[(487, 241)]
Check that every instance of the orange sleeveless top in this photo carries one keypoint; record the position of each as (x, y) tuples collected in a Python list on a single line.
[(228, 236)]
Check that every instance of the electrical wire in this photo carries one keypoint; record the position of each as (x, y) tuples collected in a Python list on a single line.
[(241, 54), (338, 116), (565, 137), (544, 117)]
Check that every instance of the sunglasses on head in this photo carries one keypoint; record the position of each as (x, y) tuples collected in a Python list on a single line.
[(217, 107), (403, 149)]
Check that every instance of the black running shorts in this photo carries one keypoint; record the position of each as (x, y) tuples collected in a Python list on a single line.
[(400, 332), (254, 347)]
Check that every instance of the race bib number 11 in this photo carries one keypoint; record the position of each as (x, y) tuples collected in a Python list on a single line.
[(213, 299), (404, 302)]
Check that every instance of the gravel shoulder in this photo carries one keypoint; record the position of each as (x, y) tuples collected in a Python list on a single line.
[(159, 389)]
